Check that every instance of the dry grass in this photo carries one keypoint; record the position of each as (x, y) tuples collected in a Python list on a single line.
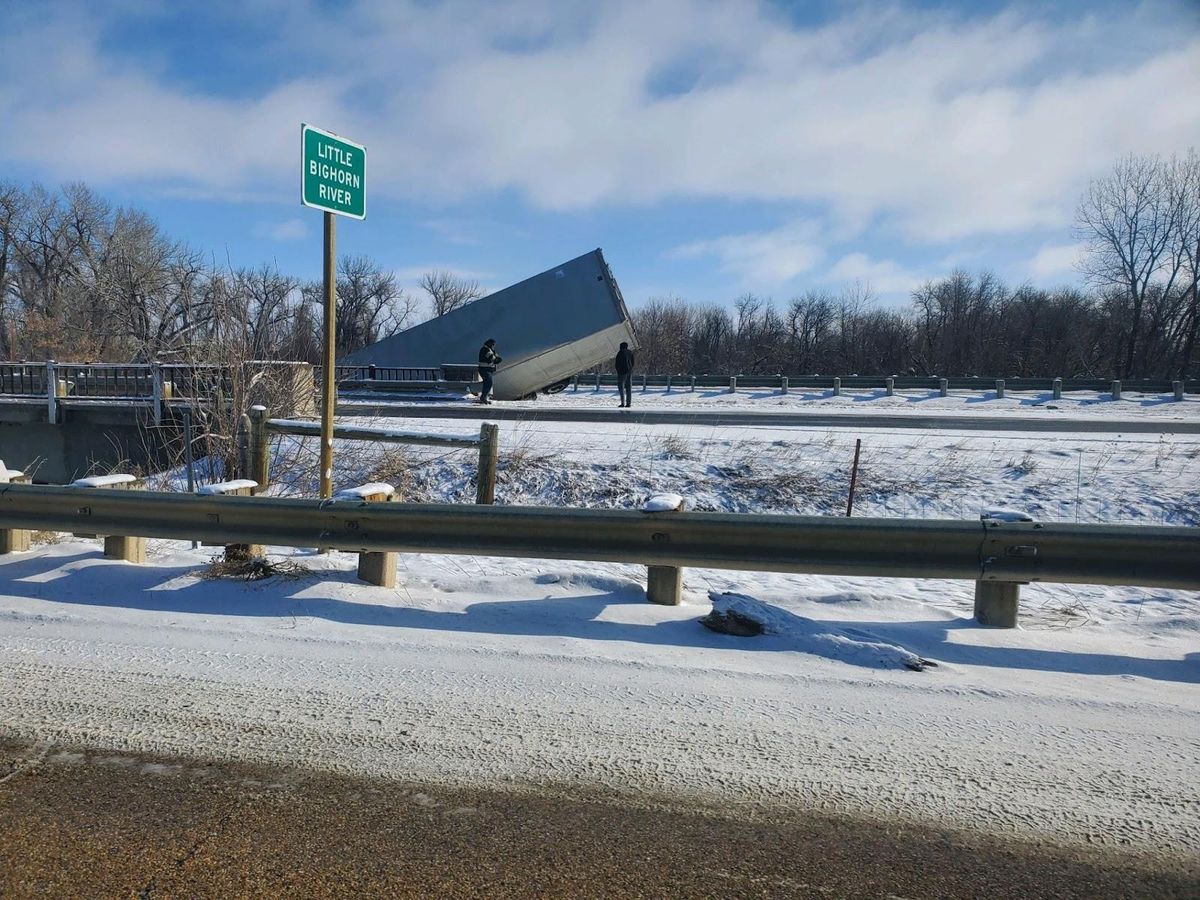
[(253, 568)]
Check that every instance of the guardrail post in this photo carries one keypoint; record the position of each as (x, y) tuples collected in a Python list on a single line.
[(156, 390), (51, 392), (1116, 390), (999, 388), (118, 546), (597, 382), (837, 387), (643, 382), (664, 585), (1177, 386), (668, 384), (575, 383), (13, 540), (943, 385), (245, 488), (1056, 389), (489, 451), (692, 386), (733, 384), (783, 384), (889, 385), (377, 567), (997, 602), (260, 447)]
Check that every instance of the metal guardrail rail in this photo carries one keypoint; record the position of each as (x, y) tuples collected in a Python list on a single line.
[(1014, 552)]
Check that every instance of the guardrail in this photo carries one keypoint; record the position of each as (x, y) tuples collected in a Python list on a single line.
[(261, 426), (997, 556), (889, 383)]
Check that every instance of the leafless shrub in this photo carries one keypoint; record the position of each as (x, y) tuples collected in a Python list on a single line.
[(253, 568)]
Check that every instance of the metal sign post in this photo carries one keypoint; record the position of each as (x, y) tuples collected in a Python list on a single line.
[(333, 178)]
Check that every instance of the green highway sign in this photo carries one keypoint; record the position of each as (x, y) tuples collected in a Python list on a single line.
[(333, 173)]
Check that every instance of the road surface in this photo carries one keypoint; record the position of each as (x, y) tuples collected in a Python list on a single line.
[(84, 822), (502, 412)]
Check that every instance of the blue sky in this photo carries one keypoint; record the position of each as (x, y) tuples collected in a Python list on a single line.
[(710, 148)]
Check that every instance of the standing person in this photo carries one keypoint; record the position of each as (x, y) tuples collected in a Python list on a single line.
[(624, 366), (489, 359)]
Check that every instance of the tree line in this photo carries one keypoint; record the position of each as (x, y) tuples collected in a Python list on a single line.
[(1137, 314), (83, 280)]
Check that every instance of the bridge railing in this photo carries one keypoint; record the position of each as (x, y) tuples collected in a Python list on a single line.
[(997, 555)]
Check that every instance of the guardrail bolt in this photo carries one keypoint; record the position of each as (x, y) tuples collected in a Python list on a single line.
[(1056, 389), (996, 603), (1116, 390), (664, 585)]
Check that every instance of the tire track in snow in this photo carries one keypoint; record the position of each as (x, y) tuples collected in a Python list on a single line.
[(750, 743)]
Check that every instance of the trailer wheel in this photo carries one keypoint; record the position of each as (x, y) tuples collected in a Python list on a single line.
[(557, 388)]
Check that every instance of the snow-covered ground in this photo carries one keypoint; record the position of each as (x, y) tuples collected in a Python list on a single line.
[(1139, 478), (1082, 727)]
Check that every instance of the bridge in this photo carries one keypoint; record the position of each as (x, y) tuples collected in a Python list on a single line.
[(62, 420)]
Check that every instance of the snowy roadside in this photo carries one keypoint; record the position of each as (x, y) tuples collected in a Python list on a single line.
[(1082, 727), (1141, 479)]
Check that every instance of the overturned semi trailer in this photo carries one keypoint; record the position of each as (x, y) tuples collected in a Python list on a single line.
[(547, 328)]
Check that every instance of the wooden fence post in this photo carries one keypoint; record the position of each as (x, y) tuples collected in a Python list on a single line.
[(260, 447), (489, 451)]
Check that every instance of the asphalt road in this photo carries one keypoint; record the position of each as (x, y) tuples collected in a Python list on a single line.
[(101, 824), (501, 412)]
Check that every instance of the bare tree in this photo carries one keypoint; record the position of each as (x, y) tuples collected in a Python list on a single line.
[(1127, 220), (447, 291)]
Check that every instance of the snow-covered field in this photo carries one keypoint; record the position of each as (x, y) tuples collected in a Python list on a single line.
[(1138, 478), (1082, 727)]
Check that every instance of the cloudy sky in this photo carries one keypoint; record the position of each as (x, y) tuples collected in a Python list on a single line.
[(711, 148)]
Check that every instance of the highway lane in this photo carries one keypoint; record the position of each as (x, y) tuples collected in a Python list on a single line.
[(754, 418)]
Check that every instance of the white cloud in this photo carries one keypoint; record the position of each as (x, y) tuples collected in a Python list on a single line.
[(884, 276), (289, 230), (1056, 261), (763, 258), (937, 126)]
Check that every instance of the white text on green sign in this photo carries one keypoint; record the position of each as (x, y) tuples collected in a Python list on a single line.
[(333, 174)]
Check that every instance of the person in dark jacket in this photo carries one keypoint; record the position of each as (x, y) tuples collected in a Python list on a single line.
[(489, 359), (624, 366)]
